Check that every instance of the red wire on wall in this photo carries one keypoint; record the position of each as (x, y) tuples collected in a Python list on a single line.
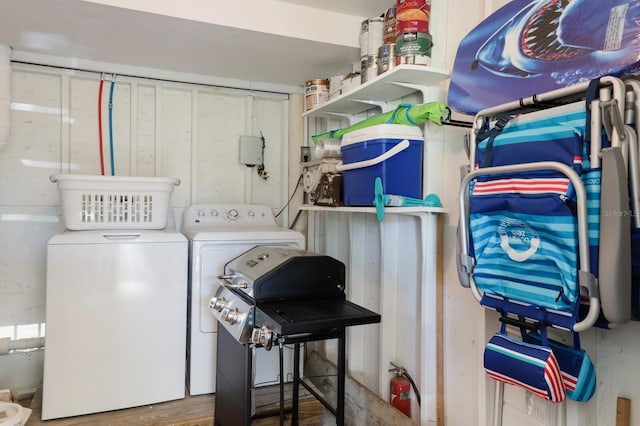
[(100, 125)]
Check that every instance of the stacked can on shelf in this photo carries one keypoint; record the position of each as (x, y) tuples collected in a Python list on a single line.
[(370, 42), (387, 52), (389, 36), (413, 41), (316, 92)]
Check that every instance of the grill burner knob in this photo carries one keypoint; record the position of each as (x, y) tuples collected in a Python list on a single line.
[(262, 336), (229, 278), (230, 315), (217, 303)]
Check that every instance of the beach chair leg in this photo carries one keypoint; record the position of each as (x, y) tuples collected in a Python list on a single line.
[(562, 414), (498, 404)]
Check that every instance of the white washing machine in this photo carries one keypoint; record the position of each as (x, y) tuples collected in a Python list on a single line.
[(116, 306), (218, 233)]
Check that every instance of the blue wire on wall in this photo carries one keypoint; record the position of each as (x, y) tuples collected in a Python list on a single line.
[(113, 83)]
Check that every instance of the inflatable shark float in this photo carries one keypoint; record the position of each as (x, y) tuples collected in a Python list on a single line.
[(534, 46)]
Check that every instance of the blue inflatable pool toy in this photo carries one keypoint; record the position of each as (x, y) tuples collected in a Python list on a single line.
[(534, 46)]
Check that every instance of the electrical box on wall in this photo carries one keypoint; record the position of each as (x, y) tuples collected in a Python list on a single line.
[(250, 150)]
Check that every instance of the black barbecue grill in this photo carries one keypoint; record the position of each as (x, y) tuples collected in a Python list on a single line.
[(274, 296)]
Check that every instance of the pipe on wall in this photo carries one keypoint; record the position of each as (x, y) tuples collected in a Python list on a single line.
[(5, 93)]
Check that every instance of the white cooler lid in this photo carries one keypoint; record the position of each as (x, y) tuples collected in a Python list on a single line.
[(382, 131)]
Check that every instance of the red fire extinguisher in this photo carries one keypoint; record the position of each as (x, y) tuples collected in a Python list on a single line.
[(400, 390)]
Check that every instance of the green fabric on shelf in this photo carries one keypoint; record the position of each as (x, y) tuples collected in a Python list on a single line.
[(410, 115)]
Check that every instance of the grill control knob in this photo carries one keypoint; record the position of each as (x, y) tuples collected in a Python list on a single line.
[(217, 303), (230, 315), (262, 336)]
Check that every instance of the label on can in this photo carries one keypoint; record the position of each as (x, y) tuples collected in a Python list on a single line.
[(412, 26), (364, 37), (368, 68), (390, 14), (413, 60), (413, 43), (386, 57), (410, 10), (389, 26), (316, 92)]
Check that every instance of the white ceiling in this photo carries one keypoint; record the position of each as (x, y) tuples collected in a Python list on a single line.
[(362, 8), (85, 31)]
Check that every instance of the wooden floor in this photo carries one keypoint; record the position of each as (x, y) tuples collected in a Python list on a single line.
[(190, 411)]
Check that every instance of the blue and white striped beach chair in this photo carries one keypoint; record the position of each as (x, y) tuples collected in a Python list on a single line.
[(534, 219)]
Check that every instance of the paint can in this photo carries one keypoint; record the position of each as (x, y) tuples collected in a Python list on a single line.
[(414, 60), (386, 57), (413, 48), (412, 26), (389, 31), (316, 92), (371, 36), (413, 10), (368, 68)]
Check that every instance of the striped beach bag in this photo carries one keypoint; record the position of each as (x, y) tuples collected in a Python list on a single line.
[(577, 369), (527, 365)]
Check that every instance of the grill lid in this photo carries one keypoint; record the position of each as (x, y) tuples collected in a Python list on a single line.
[(272, 291), (278, 273)]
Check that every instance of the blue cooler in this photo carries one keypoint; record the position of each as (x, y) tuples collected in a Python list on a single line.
[(392, 152)]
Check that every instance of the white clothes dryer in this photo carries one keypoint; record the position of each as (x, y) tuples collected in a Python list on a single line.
[(218, 233)]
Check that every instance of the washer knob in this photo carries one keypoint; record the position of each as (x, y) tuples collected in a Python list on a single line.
[(233, 214)]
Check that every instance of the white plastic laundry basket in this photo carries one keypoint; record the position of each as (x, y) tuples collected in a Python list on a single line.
[(114, 202)]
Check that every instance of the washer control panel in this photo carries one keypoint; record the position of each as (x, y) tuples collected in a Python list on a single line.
[(206, 215)]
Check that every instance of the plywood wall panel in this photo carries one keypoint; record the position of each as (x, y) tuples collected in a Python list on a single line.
[(160, 128)]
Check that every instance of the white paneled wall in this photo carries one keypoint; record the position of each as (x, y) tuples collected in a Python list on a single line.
[(159, 129), (390, 265)]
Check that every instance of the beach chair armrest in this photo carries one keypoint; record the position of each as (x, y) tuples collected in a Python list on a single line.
[(591, 318), (587, 281), (465, 264), (614, 277)]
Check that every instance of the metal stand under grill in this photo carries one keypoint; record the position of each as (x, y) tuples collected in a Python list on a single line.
[(276, 296)]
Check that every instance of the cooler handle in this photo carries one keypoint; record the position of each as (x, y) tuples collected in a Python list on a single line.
[(376, 160)]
